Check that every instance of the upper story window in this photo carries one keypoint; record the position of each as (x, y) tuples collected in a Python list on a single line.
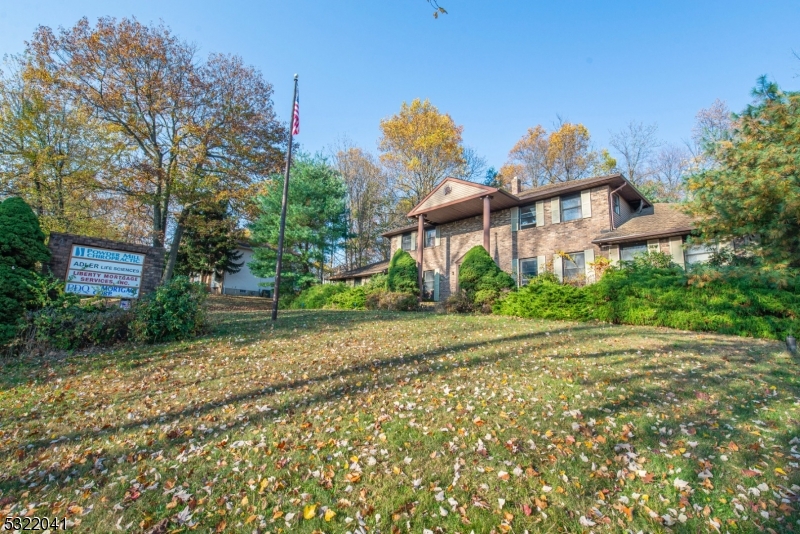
[(430, 237), (405, 243), (527, 216), (571, 207), (615, 202)]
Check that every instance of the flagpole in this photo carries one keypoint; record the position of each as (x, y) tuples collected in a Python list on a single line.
[(284, 201)]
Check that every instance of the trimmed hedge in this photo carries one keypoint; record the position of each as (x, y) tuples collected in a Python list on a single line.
[(402, 277), (727, 301)]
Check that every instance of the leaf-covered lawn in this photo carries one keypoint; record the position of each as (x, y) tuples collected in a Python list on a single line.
[(407, 422)]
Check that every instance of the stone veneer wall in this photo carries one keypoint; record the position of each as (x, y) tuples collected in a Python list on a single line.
[(60, 246), (458, 237)]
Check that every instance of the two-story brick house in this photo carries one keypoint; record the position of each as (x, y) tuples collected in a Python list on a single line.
[(559, 228)]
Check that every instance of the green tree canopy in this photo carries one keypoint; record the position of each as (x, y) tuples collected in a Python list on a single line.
[(315, 223), (22, 250), (209, 242), (755, 188), (479, 272)]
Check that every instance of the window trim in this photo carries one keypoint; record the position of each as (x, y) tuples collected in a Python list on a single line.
[(579, 207), (520, 278), (532, 209)]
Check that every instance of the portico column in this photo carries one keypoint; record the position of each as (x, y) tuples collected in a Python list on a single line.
[(486, 222), (420, 248)]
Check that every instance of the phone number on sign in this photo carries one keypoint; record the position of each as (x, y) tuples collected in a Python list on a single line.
[(35, 523)]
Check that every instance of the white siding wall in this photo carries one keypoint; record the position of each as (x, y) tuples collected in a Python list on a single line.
[(244, 279)]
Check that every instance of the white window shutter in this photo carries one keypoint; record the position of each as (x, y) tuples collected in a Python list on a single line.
[(541, 265), (413, 240), (586, 204), (558, 267), (438, 239), (613, 254), (588, 257), (436, 285), (540, 213), (555, 210), (676, 250), (514, 219), (652, 245)]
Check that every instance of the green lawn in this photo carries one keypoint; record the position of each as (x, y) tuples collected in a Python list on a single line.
[(401, 422)]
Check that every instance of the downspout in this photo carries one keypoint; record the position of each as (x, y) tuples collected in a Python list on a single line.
[(611, 204)]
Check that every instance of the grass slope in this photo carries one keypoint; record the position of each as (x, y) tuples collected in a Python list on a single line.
[(393, 422)]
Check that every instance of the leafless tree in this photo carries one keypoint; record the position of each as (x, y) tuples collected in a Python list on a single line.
[(712, 125), (474, 166), (369, 201), (667, 170), (635, 144)]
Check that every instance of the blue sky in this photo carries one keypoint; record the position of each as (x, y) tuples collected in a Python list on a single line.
[(498, 67)]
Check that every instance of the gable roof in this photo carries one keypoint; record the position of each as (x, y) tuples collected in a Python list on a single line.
[(664, 220), (367, 270)]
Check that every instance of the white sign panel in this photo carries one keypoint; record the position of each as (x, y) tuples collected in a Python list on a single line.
[(104, 272)]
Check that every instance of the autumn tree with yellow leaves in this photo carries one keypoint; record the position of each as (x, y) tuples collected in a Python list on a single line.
[(541, 157), (420, 147)]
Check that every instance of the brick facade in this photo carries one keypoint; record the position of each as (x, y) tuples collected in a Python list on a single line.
[(60, 246), (458, 237)]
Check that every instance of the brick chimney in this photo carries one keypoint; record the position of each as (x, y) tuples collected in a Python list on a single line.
[(516, 185)]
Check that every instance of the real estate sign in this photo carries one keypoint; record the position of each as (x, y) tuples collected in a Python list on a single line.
[(104, 272)]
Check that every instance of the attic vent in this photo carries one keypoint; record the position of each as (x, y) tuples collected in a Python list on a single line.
[(448, 189)]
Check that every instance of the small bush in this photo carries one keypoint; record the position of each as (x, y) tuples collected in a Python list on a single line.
[(546, 299), (354, 298), (479, 272), (391, 300), (172, 312), (652, 260), (377, 281), (402, 277), (316, 297), (459, 302)]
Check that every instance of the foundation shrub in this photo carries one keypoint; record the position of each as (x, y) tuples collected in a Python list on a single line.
[(173, 312), (317, 296), (391, 300), (354, 298), (402, 275), (459, 302)]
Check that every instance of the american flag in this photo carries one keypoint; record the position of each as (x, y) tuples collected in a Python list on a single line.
[(296, 116)]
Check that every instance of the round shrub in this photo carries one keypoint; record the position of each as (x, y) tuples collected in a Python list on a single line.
[(403, 274), (22, 249), (479, 272), (172, 312)]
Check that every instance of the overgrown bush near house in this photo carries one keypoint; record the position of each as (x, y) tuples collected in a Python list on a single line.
[(377, 281), (478, 272), (172, 312), (354, 298), (459, 302), (22, 251), (317, 296), (402, 276), (652, 259), (64, 321), (391, 300), (546, 298), (744, 302)]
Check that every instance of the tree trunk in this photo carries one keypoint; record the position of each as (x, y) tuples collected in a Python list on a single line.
[(173, 251)]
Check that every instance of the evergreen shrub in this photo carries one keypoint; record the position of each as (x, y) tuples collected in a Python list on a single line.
[(174, 311), (317, 296), (402, 277)]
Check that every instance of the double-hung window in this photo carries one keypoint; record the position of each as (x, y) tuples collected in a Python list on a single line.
[(528, 268), (527, 216), (574, 266), (571, 207), (406, 242), (428, 284), (430, 237)]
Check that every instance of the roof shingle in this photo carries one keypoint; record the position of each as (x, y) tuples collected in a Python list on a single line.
[(665, 219)]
